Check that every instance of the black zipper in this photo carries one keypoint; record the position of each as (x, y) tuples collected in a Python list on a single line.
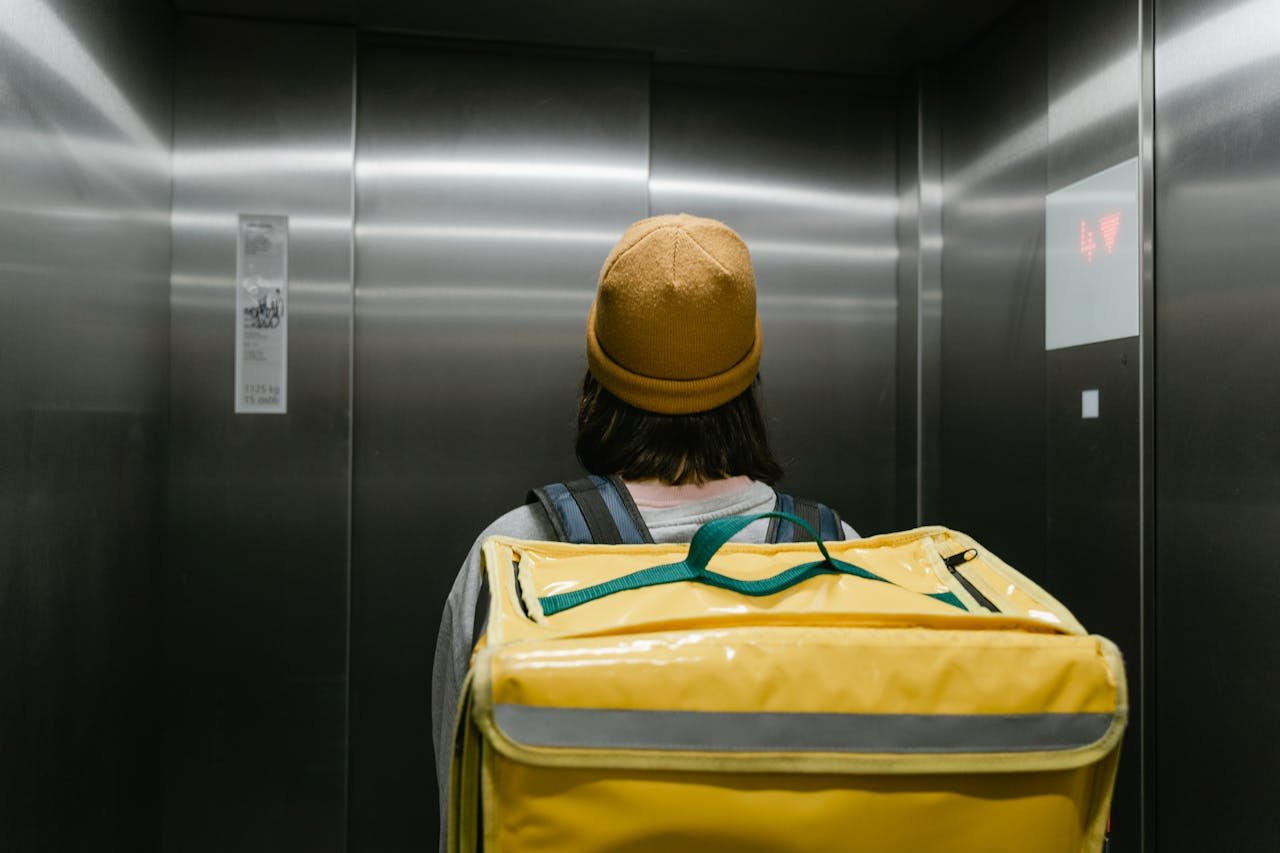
[(960, 559)]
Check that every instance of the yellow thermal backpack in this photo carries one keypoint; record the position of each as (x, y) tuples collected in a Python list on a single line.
[(908, 693)]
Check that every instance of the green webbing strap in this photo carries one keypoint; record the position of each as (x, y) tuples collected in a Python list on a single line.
[(706, 542)]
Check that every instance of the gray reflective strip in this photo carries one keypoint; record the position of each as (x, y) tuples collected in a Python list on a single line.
[(716, 731)]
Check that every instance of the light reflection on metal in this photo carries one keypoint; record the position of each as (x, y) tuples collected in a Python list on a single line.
[(768, 194), (121, 156), (31, 25), (1092, 102), (235, 162), (194, 219), (85, 100), (806, 251), (1234, 38), (799, 251), (1186, 59), (495, 169), (484, 233)]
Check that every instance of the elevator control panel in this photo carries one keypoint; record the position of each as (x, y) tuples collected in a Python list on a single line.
[(1092, 259)]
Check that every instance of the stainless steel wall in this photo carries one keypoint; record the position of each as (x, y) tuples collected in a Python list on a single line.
[(1050, 95), (491, 185), (1093, 544), (256, 603), (1217, 146), (919, 331), (84, 261), (805, 169), (994, 129)]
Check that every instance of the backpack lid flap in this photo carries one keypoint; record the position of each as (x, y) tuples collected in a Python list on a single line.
[(810, 699)]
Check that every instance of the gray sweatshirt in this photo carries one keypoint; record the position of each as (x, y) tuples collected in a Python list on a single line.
[(453, 646)]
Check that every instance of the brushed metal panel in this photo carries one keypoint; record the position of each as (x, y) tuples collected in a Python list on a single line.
[(929, 305), (1093, 467), (1095, 81), (992, 421), (1094, 528), (84, 261), (805, 169), (1217, 148), (257, 594), (490, 187), (907, 431)]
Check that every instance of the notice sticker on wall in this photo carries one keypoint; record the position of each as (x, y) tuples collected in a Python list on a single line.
[(262, 315)]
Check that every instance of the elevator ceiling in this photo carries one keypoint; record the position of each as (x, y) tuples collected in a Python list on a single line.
[(854, 36)]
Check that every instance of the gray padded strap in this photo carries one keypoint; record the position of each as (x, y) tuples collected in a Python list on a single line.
[(820, 517), (593, 510)]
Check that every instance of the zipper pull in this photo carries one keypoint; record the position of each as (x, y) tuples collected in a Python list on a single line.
[(959, 560)]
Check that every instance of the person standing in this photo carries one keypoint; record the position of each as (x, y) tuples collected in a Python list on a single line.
[(669, 424)]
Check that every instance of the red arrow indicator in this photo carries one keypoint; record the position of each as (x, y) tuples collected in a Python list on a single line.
[(1110, 226)]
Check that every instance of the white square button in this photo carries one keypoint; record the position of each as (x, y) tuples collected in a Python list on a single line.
[(1089, 403)]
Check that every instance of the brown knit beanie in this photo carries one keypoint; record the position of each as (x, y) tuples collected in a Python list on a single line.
[(673, 329)]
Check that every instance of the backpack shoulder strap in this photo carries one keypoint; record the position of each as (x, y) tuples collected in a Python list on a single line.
[(593, 509), (821, 518), (622, 508)]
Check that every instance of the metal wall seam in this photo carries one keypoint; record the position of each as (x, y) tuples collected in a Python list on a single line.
[(929, 300), (1148, 779), (351, 440)]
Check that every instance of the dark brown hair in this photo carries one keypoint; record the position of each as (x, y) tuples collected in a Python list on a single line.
[(615, 437)]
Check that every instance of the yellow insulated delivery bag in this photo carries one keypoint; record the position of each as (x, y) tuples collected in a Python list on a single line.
[(908, 692)]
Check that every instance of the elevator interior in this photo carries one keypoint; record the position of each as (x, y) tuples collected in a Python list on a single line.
[(217, 626)]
